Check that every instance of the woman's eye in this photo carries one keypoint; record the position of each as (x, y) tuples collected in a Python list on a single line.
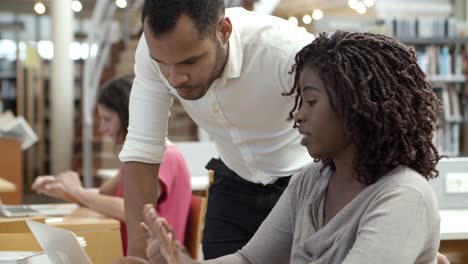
[(311, 102), (190, 62)]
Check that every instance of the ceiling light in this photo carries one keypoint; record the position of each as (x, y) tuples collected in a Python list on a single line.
[(303, 29), (40, 8), (293, 20), (369, 3), (76, 6), (361, 8), (353, 3), (121, 3), (317, 14), (306, 19)]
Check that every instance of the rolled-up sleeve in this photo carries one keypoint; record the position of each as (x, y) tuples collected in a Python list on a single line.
[(150, 101)]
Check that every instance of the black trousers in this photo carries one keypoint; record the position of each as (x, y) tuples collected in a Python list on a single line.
[(236, 208)]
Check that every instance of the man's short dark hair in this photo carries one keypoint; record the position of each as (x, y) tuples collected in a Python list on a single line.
[(162, 15)]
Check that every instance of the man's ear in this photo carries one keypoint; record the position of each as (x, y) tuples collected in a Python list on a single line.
[(224, 29)]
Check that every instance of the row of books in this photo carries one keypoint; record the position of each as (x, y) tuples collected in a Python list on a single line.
[(441, 60), (7, 65), (447, 139), (452, 120), (454, 105), (424, 28), (7, 89)]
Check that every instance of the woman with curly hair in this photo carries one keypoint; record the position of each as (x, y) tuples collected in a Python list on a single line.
[(367, 116)]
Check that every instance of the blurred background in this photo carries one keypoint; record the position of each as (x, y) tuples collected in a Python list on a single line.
[(96, 39)]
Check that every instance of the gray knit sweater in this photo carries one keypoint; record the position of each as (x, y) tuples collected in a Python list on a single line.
[(394, 221)]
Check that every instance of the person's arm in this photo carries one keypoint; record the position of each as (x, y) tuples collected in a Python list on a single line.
[(145, 143), (270, 244), (50, 186), (397, 227), (164, 248), (273, 240), (140, 189), (105, 204), (110, 186)]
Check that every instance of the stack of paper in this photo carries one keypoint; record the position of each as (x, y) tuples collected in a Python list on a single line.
[(23, 257), (17, 127), (81, 241)]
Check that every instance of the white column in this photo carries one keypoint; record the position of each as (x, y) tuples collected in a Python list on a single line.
[(460, 9), (62, 89)]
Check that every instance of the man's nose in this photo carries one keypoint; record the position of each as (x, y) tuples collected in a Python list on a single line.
[(176, 77)]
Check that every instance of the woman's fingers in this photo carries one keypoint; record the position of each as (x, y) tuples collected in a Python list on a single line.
[(161, 242), (42, 181)]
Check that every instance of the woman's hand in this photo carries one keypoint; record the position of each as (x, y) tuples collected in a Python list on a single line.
[(131, 260), (50, 186), (441, 259), (162, 247), (71, 182), (62, 186)]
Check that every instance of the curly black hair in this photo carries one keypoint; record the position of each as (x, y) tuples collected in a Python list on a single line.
[(115, 95), (379, 92), (163, 14)]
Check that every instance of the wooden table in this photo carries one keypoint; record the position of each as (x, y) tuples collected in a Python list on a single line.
[(102, 234), (454, 235)]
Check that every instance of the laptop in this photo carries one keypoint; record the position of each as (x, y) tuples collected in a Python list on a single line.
[(28, 210), (451, 187), (60, 245)]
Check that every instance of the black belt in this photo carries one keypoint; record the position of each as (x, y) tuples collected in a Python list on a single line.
[(218, 166)]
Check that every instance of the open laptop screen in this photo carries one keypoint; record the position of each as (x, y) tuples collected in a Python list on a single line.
[(60, 245)]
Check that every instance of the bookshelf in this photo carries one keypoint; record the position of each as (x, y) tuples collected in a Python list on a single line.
[(450, 78), (26, 92), (434, 41), (445, 62)]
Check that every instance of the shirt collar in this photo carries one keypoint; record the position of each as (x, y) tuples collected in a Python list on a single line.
[(235, 55)]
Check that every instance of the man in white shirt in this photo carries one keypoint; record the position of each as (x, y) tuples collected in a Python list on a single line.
[(229, 69)]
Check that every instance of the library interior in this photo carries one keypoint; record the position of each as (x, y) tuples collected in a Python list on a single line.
[(58, 58)]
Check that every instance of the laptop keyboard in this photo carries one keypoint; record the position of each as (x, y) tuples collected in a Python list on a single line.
[(17, 211)]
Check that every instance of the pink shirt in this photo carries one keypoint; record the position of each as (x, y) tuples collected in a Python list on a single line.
[(176, 190)]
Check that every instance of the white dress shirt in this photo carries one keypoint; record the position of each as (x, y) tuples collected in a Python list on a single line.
[(243, 110)]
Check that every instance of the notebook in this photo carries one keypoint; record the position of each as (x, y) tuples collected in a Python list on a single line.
[(60, 245), (27, 210)]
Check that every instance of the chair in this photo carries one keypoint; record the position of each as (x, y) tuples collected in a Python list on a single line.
[(195, 221)]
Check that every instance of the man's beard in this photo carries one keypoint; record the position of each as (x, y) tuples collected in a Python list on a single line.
[(221, 59), (220, 62)]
